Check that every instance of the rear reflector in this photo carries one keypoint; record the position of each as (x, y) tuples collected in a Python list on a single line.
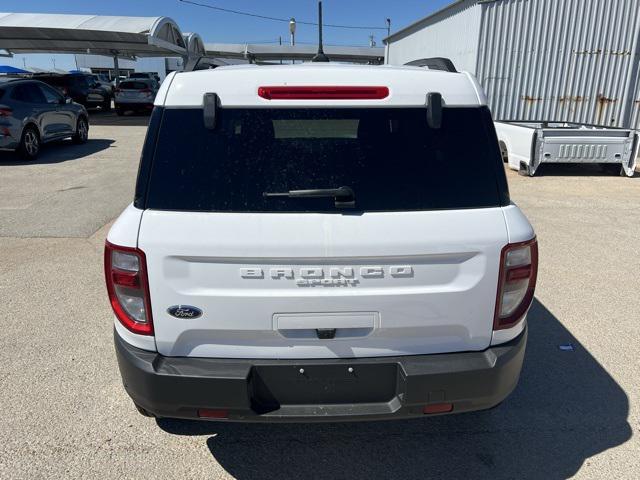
[(438, 408), (516, 283), (209, 413), (323, 93)]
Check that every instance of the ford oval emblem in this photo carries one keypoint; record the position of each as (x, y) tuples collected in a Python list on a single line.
[(184, 311)]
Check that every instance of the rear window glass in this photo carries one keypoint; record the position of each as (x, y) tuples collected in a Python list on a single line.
[(134, 85), (390, 158)]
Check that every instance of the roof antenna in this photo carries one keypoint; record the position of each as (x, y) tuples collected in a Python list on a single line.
[(320, 56)]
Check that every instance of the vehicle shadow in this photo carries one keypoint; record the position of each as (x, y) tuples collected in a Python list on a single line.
[(129, 119), (566, 409), (579, 170), (57, 152)]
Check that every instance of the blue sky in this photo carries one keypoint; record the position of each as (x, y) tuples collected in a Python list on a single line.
[(215, 26)]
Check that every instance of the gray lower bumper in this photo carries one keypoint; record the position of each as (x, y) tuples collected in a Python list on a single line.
[(319, 390)]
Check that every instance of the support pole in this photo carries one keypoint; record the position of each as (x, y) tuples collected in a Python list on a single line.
[(116, 68)]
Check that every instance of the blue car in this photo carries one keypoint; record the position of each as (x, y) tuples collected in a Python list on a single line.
[(33, 113)]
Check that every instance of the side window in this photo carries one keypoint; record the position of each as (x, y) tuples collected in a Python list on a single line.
[(29, 93), (51, 96), (35, 94), (19, 93)]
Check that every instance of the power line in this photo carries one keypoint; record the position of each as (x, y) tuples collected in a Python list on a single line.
[(276, 19)]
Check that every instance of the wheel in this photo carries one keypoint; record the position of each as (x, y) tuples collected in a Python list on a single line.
[(525, 170), (119, 111), (82, 131), (106, 105), (143, 412), (29, 143)]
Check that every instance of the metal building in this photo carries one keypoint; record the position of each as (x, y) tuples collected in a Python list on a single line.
[(555, 60)]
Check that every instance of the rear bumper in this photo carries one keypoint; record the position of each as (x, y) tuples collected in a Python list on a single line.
[(319, 390), (134, 104)]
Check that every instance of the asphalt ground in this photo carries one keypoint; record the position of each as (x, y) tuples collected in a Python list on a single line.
[(64, 413)]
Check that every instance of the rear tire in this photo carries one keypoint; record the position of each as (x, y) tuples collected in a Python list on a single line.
[(29, 143), (106, 106), (82, 131)]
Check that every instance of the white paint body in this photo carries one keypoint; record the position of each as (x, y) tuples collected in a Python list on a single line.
[(390, 283), (531, 144)]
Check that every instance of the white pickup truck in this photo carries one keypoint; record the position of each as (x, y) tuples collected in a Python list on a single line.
[(304, 246), (527, 145)]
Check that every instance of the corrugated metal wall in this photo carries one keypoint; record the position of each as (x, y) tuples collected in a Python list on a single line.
[(453, 34), (569, 60)]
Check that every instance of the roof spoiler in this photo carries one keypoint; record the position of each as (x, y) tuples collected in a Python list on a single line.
[(435, 63)]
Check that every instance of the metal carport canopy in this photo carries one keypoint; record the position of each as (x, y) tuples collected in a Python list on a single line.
[(259, 53), (94, 34)]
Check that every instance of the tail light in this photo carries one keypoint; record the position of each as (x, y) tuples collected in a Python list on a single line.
[(323, 93), (516, 284), (117, 90), (146, 91), (5, 111), (128, 287), (65, 91)]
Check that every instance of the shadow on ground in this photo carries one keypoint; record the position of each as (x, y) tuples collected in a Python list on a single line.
[(57, 152), (566, 409), (129, 119), (580, 170)]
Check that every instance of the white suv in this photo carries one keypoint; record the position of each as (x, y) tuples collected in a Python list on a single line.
[(320, 242)]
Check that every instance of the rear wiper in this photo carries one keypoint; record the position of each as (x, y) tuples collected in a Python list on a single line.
[(344, 196)]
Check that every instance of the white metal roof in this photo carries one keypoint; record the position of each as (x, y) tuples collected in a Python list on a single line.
[(100, 35), (237, 85), (259, 53)]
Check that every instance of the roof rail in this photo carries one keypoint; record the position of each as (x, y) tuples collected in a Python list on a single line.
[(435, 63)]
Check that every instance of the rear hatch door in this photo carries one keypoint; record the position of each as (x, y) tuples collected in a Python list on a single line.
[(411, 268)]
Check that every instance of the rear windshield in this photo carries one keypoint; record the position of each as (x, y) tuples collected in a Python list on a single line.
[(390, 158), (133, 85)]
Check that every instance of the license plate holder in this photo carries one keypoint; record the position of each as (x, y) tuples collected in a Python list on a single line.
[(272, 386)]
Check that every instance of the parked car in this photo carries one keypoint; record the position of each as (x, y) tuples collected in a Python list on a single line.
[(135, 95), (104, 82), (320, 243), (145, 75), (33, 113), (81, 87)]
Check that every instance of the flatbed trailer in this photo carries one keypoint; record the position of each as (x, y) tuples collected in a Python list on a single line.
[(526, 145)]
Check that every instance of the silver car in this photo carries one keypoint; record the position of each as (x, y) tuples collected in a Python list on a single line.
[(136, 95), (33, 113)]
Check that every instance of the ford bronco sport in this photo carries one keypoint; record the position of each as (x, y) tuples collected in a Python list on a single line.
[(320, 242)]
